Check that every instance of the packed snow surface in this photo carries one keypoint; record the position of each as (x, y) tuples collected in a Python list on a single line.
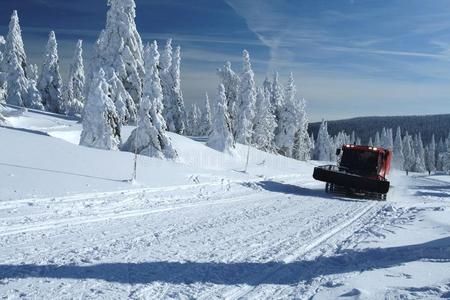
[(73, 226)]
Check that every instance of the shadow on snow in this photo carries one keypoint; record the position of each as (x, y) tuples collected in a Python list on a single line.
[(283, 188), (238, 272), (279, 187)]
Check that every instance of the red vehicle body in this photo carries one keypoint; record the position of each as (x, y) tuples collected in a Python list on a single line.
[(361, 170)]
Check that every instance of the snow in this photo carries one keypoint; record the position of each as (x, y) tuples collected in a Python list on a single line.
[(72, 226)]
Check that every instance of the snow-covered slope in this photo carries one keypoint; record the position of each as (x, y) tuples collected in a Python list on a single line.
[(35, 164), (71, 226)]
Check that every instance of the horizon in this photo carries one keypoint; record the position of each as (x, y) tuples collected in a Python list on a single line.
[(346, 63)]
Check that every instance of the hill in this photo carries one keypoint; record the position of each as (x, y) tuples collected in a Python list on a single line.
[(366, 127)]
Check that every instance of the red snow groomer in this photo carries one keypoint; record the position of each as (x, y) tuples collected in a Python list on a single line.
[(361, 171)]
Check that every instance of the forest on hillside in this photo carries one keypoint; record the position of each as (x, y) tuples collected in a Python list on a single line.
[(367, 127)]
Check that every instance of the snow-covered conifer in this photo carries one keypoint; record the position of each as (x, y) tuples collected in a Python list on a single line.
[(221, 138), (74, 90), (71, 106), (119, 48), (288, 120), (409, 154), (76, 72), (302, 144), (267, 86), (386, 139), (50, 82), (174, 110), (205, 119), (399, 159), (33, 72), (179, 111), (246, 102), (420, 153), (231, 82), (150, 137), (440, 149), (323, 144), (33, 97), (14, 45), (370, 143), (125, 106), (192, 128), (265, 124), (16, 82), (277, 96), (445, 161), (19, 90), (430, 156), (101, 125)]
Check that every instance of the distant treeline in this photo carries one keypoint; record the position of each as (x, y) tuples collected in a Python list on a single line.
[(366, 127)]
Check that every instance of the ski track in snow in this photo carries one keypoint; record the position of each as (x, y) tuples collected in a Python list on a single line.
[(263, 226), (240, 240)]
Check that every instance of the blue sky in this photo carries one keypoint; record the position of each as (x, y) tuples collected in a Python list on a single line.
[(350, 58)]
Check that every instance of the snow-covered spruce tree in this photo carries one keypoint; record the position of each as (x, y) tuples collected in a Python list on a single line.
[(193, 118), (50, 82), (205, 119), (302, 144), (198, 113), (370, 143), (174, 110), (264, 129), (390, 139), (221, 138), (150, 137), (430, 156), (445, 160), (14, 45), (125, 106), (386, 139), (323, 144), (33, 72), (101, 125), (33, 97), (420, 153), (179, 110), (246, 102), (70, 105), (119, 48), (267, 86), (408, 152), (74, 90), (288, 120), (231, 82), (440, 149), (166, 83), (399, 158), (16, 82), (277, 96), (19, 90)]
